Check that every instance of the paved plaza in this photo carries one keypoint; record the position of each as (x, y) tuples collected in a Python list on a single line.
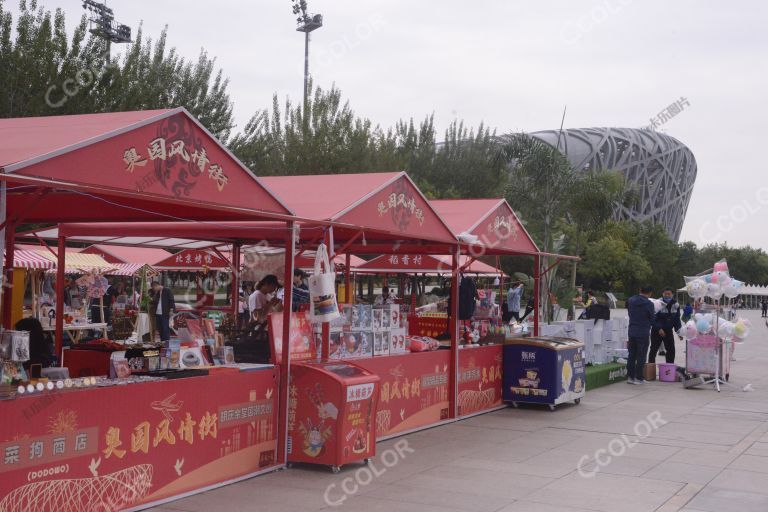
[(656, 447)]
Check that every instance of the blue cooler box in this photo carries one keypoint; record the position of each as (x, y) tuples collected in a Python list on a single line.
[(544, 370)]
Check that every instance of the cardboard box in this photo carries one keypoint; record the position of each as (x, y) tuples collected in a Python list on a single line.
[(649, 371)]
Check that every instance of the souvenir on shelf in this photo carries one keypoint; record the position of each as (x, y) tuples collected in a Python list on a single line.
[(380, 343), (386, 317), (377, 314), (361, 317), (397, 341), (192, 357)]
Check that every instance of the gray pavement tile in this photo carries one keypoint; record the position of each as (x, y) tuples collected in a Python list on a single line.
[(532, 506), (439, 498), (718, 500), (624, 465), (607, 492), (681, 472), (743, 481), (748, 462)]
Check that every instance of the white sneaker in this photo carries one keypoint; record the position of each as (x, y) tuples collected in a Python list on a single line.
[(631, 381), (639, 382)]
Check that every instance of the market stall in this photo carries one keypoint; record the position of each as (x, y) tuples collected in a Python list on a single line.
[(154, 437), (29, 270), (390, 204)]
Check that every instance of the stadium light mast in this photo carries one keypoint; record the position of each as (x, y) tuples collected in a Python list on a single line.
[(103, 24), (307, 23)]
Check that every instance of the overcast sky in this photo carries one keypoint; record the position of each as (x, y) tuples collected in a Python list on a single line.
[(513, 65)]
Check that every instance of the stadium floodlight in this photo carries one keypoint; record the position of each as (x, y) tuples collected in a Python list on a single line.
[(103, 24), (306, 23)]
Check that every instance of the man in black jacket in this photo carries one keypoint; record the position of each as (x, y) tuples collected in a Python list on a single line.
[(161, 305), (666, 322), (641, 314)]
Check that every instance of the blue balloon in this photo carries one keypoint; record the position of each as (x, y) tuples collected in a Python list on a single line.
[(708, 278), (703, 326)]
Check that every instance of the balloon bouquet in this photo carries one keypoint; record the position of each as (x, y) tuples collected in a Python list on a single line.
[(714, 286)]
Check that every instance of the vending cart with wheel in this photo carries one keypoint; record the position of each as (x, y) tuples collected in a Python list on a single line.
[(332, 414), (543, 370)]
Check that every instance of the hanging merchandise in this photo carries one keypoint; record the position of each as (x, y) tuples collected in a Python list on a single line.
[(96, 285), (322, 289)]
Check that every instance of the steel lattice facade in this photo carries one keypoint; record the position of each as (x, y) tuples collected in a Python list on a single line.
[(661, 168)]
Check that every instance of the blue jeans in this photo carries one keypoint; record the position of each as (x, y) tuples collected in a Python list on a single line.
[(163, 325), (638, 353)]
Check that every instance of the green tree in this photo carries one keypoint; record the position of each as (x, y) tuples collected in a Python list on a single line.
[(593, 201), (612, 265)]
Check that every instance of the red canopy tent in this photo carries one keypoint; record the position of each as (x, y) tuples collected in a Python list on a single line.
[(492, 221), (149, 166)]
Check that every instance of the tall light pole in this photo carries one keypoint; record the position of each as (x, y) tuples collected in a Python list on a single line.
[(103, 24), (307, 23)]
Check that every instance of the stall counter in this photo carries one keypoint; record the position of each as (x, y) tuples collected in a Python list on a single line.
[(413, 392), (480, 379), (126, 447)]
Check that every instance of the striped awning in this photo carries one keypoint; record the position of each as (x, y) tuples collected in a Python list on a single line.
[(79, 263), (131, 269), (31, 260)]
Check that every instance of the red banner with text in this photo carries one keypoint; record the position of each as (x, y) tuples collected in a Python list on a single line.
[(479, 379), (118, 447), (413, 390)]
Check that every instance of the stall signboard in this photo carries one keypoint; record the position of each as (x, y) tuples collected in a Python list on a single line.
[(479, 379), (302, 342), (398, 207), (193, 259), (414, 390), (502, 228), (119, 447)]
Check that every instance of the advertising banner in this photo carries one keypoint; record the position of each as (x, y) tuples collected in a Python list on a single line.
[(479, 379), (414, 390), (122, 446)]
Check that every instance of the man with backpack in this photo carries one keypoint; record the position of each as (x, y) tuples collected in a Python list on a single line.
[(666, 322)]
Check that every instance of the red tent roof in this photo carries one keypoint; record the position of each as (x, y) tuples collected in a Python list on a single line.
[(151, 165), (125, 254), (325, 196), (492, 221), (388, 202), (30, 138)]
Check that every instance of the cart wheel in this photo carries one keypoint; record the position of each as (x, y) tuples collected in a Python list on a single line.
[(367, 461), (727, 377), (515, 405), (288, 465), (335, 470), (577, 401), (551, 407)]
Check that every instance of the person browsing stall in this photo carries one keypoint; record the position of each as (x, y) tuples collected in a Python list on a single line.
[(300, 291), (513, 300), (262, 301), (641, 316), (162, 304), (386, 297)]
